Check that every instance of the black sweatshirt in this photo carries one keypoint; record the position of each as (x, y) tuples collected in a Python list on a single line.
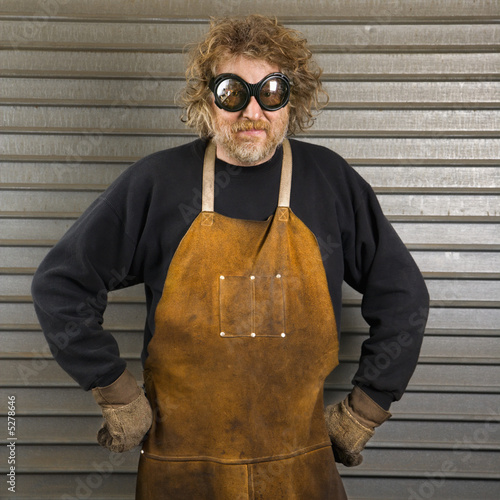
[(130, 233)]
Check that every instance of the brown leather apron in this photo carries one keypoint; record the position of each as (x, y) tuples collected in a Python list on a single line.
[(244, 338)]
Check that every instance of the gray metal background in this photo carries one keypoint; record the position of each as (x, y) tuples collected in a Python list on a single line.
[(87, 87)]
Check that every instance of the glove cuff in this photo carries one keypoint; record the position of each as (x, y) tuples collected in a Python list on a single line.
[(121, 392), (364, 409)]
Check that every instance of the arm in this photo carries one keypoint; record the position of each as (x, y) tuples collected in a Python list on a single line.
[(395, 305), (70, 295), (395, 301)]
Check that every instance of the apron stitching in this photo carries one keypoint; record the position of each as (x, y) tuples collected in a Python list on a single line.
[(207, 219), (272, 458), (252, 310), (281, 278), (250, 488), (253, 485), (283, 214), (222, 333)]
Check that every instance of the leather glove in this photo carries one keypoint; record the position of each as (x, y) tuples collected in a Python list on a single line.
[(351, 424), (126, 411)]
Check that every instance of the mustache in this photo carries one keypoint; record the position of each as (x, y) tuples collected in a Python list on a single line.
[(250, 125)]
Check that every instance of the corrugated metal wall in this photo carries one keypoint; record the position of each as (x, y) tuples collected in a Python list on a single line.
[(87, 87)]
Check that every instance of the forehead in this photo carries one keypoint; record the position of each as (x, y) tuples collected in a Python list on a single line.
[(251, 70)]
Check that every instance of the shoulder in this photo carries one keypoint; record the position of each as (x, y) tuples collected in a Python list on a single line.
[(313, 160), (158, 170), (167, 161), (314, 151)]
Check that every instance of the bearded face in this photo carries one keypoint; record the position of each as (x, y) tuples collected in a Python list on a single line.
[(250, 136), (256, 145)]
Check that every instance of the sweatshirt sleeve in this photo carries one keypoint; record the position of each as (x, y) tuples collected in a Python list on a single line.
[(395, 300), (70, 290)]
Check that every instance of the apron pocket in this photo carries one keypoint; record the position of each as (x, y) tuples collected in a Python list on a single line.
[(252, 306)]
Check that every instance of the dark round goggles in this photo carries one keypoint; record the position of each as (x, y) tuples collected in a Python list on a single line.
[(232, 93)]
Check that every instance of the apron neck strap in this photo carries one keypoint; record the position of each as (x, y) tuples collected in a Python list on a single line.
[(207, 190), (286, 176), (208, 187)]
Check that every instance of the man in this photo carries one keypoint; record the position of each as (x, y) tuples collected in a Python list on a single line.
[(243, 310)]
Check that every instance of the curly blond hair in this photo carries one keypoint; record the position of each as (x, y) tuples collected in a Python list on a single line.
[(254, 37)]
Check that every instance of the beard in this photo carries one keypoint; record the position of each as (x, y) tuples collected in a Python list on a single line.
[(250, 150)]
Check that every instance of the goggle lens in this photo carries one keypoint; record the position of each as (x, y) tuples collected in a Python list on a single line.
[(232, 93), (274, 93)]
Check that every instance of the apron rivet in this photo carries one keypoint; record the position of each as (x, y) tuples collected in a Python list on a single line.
[(222, 277), (252, 277), (222, 334), (142, 451), (252, 334), (278, 276), (283, 334)]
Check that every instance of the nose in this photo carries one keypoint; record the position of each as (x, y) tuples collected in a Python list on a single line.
[(253, 110)]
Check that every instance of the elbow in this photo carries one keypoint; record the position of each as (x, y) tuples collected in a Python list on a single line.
[(421, 306), (39, 286), (424, 297), (43, 288)]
